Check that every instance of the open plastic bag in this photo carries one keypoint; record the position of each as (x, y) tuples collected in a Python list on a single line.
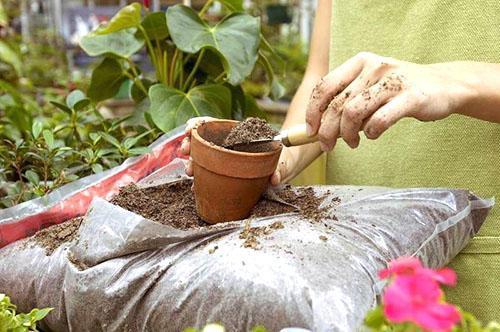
[(127, 273)]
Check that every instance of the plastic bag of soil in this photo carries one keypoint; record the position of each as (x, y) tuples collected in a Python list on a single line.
[(308, 257), (73, 199)]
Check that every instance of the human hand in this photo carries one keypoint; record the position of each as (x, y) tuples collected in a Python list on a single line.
[(371, 93)]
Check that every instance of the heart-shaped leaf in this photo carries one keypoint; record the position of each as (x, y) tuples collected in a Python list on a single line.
[(171, 107), (155, 25), (106, 80), (128, 17), (122, 43), (77, 100), (236, 38)]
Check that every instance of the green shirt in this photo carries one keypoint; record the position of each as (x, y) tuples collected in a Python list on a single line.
[(458, 152)]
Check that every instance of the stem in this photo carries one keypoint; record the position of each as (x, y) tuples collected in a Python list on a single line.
[(195, 68), (181, 70), (193, 84), (205, 8), (221, 75), (137, 81), (151, 51), (165, 66), (172, 67)]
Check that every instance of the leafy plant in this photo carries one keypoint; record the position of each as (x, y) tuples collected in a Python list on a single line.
[(199, 66), (41, 149), (10, 321)]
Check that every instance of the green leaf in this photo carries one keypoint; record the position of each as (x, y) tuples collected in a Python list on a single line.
[(36, 129), (61, 106), (136, 93), (106, 80), (375, 318), (110, 139), (155, 25), (252, 109), (128, 17), (236, 38), (122, 43), (259, 328), (32, 177), (49, 138), (97, 168), (171, 107), (77, 100), (139, 151), (39, 314), (233, 5), (9, 56)]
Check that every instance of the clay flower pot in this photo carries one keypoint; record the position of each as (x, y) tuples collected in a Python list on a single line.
[(227, 184)]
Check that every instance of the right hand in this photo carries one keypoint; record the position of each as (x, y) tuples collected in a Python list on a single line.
[(280, 175)]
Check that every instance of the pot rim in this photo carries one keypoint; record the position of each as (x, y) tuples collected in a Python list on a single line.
[(210, 145)]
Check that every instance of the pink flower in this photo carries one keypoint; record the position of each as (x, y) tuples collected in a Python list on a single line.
[(413, 266), (415, 295), (146, 3), (418, 299)]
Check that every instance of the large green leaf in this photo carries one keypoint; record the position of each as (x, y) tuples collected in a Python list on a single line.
[(106, 80), (122, 43), (9, 56), (171, 107), (236, 38), (155, 25), (128, 17)]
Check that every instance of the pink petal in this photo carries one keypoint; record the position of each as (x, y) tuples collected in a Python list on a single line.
[(402, 265), (446, 277), (439, 316)]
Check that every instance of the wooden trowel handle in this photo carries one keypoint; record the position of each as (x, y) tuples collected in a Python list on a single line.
[(297, 135)]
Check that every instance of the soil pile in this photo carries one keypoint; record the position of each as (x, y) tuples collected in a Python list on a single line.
[(249, 130), (52, 237), (173, 204), (169, 204)]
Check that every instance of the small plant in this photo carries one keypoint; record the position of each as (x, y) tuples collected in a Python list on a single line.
[(414, 301), (10, 321), (199, 66), (40, 151)]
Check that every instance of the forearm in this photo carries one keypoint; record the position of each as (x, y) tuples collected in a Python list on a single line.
[(481, 92), (299, 157)]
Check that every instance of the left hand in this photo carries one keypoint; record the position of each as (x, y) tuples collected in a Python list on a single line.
[(371, 93)]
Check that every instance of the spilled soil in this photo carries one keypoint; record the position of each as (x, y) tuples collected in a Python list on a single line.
[(173, 204), (54, 236), (247, 131)]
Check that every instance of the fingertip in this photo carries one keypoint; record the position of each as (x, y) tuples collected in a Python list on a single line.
[(189, 168), (276, 178)]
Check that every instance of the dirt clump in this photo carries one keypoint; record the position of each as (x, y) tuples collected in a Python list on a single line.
[(250, 234), (54, 236), (169, 204), (307, 201), (247, 131)]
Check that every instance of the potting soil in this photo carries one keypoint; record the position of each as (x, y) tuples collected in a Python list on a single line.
[(315, 270), (247, 131)]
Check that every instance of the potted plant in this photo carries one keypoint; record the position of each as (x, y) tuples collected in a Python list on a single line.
[(199, 67)]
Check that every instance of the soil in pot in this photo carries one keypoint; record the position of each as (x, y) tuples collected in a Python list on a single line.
[(173, 204), (247, 131)]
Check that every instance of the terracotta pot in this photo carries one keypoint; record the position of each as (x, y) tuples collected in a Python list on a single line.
[(227, 184)]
